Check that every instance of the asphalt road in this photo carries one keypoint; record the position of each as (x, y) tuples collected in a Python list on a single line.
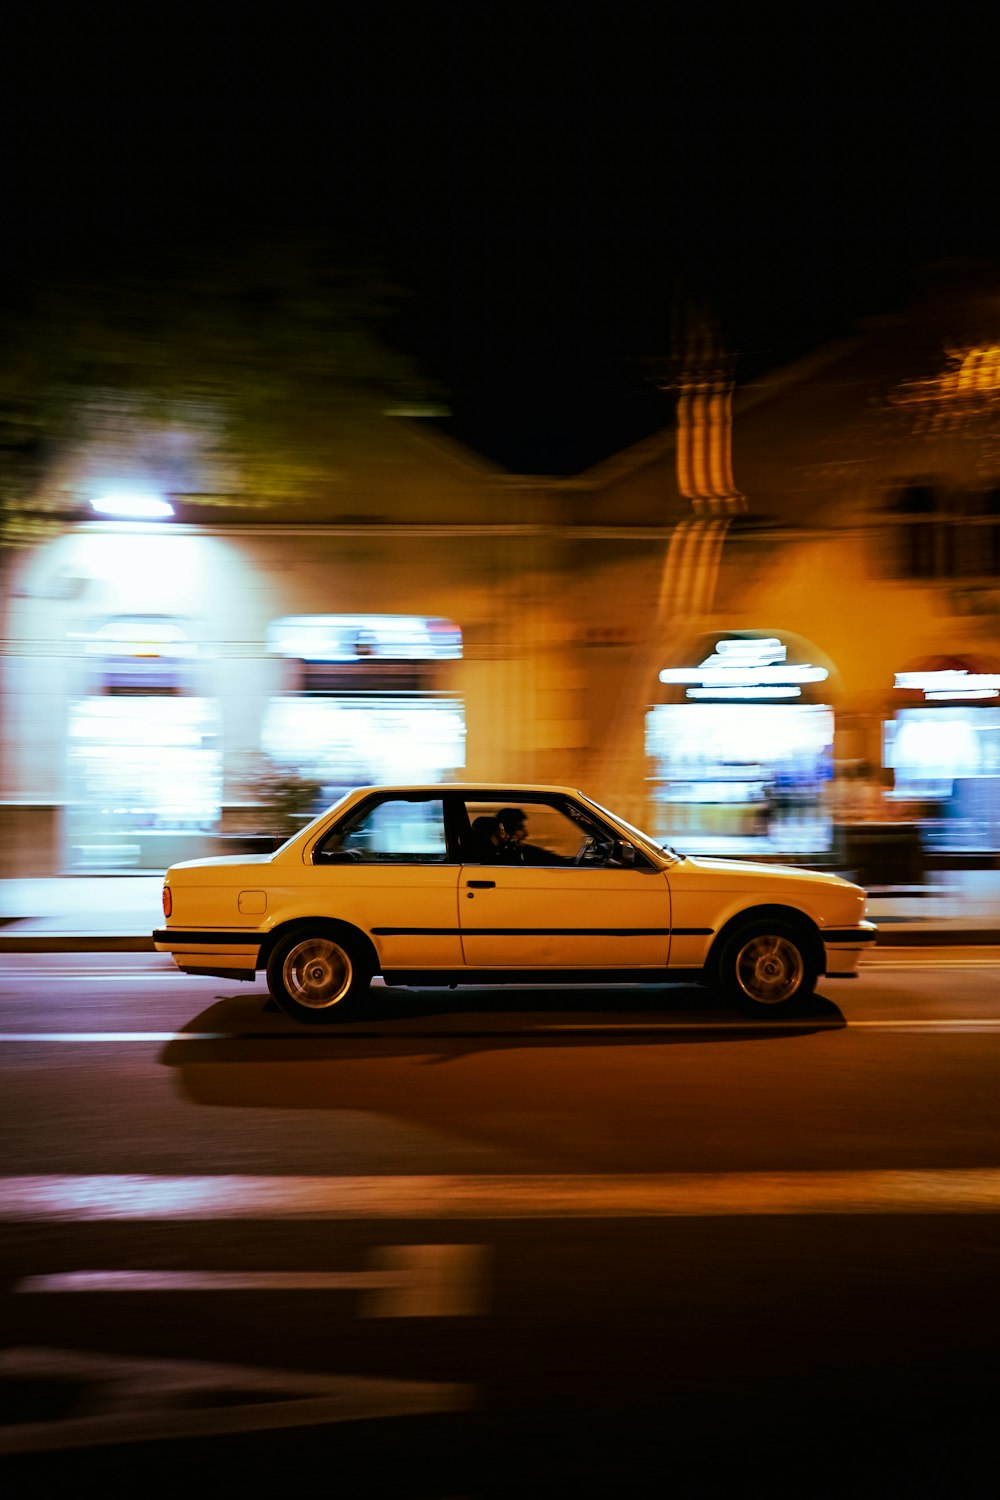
[(499, 1241)]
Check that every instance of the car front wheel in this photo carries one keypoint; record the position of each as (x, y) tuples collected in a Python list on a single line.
[(318, 976), (766, 967)]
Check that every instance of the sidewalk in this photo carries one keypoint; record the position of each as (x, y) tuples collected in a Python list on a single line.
[(80, 914), (117, 913)]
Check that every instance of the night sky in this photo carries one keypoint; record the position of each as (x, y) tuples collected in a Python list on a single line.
[(549, 181)]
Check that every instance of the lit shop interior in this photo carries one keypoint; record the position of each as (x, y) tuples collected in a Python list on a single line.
[(359, 699), (363, 701), (740, 750), (144, 762), (943, 748)]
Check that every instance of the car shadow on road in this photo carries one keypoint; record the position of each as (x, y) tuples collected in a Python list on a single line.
[(538, 1074), (446, 1025)]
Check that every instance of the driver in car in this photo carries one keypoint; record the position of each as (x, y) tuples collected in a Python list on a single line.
[(514, 848)]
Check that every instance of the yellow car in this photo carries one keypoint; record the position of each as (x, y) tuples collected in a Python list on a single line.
[(475, 883)]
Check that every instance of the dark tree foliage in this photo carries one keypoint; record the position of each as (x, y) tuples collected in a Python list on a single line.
[(240, 371)]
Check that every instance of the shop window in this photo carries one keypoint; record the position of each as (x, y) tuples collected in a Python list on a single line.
[(144, 780), (366, 739), (741, 777), (368, 699), (920, 541), (946, 767)]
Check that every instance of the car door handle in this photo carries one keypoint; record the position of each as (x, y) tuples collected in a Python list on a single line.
[(483, 885)]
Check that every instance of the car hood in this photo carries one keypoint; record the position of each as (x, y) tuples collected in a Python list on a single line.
[(720, 874)]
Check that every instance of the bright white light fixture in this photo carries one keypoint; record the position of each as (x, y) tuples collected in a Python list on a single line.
[(745, 668), (780, 690), (133, 507), (957, 683), (942, 695)]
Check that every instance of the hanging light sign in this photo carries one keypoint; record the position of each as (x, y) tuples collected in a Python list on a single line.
[(950, 686), (745, 668)]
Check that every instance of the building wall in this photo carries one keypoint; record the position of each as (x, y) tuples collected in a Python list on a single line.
[(818, 453), (518, 678), (562, 590)]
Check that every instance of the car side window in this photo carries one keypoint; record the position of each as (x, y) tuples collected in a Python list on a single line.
[(393, 830), (537, 832)]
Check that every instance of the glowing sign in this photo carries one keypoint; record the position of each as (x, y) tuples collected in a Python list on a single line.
[(331, 638), (133, 507), (946, 686), (745, 668)]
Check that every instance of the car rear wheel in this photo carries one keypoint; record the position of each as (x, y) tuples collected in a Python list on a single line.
[(767, 967), (318, 976)]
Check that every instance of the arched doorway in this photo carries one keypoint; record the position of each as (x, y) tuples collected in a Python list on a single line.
[(739, 745), (144, 755)]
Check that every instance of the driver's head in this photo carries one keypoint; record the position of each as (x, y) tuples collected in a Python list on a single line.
[(513, 823)]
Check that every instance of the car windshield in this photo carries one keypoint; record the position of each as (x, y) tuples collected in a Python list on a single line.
[(642, 839)]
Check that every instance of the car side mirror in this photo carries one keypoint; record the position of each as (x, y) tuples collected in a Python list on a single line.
[(622, 853)]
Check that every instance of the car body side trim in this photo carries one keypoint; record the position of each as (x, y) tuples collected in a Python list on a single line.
[(867, 934), (541, 931), (213, 935)]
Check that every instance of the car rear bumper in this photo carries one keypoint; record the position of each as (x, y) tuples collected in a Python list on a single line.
[(227, 954)]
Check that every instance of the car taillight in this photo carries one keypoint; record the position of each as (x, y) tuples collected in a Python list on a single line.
[(168, 901)]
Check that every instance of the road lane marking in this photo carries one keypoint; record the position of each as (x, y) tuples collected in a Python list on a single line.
[(413, 1281), (152, 1400), (345, 1032), (753, 1026), (933, 963), (62, 1199), (968, 1023), (118, 1036), (103, 975)]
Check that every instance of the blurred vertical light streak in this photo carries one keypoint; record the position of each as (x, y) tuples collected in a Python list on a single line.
[(688, 571), (701, 441), (690, 567), (722, 450), (704, 448)]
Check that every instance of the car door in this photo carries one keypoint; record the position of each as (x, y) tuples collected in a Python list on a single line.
[(561, 914), (536, 917)]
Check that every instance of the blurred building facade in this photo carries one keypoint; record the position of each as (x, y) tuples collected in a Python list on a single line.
[(772, 624)]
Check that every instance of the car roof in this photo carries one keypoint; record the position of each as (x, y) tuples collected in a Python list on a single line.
[(470, 786)]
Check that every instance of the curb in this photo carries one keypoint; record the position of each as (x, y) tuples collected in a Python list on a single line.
[(953, 937), (73, 942)]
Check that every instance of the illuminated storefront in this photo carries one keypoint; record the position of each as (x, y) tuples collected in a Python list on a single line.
[(368, 699), (943, 747), (144, 768), (740, 750)]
